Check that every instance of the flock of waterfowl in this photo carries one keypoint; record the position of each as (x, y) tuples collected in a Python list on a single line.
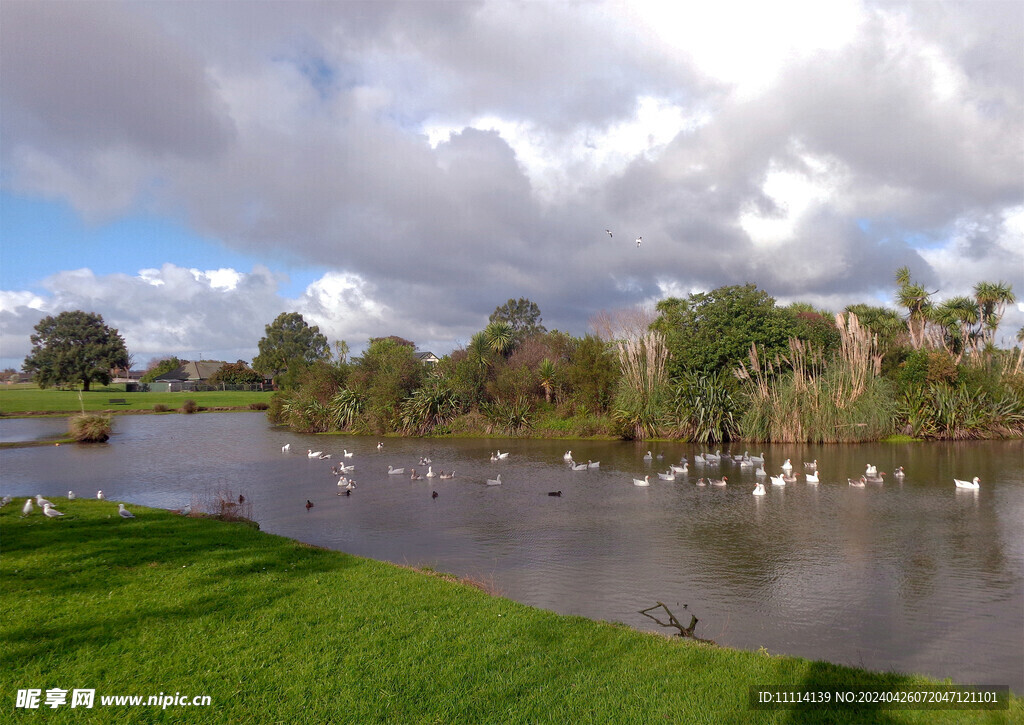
[(702, 460), (50, 510)]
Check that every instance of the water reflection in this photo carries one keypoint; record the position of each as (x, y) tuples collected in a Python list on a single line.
[(912, 575)]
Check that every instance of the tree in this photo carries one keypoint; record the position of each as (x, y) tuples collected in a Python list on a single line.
[(236, 373), (386, 374), (522, 315), (75, 347), (500, 337), (709, 331), (289, 346), (159, 368), (918, 303), (992, 298)]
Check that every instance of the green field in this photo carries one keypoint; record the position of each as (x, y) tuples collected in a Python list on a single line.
[(20, 399), (274, 631)]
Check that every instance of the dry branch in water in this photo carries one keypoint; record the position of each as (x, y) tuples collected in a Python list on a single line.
[(673, 622)]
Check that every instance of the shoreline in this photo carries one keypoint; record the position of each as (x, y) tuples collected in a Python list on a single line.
[(356, 639)]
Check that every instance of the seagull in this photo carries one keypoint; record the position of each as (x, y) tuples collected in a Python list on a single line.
[(71, 495), (639, 240), (976, 483), (494, 481), (125, 513), (99, 495), (50, 511), (42, 501), (187, 511), (394, 471), (609, 232), (309, 504), (4, 501), (27, 508), (286, 448), (759, 489)]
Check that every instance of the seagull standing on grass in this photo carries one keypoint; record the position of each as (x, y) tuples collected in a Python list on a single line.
[(50, 511), (42, 501), (99, 494), (4, 501), (125, 513), (71, 495), (27, 508)]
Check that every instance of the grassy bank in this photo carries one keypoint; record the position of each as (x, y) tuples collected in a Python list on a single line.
[(276, 631), (20, 400)]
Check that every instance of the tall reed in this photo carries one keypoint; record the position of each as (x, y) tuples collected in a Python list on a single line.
[(642, 397), (803, 397)]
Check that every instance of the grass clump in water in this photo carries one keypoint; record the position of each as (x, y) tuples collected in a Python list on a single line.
[(89, 428)]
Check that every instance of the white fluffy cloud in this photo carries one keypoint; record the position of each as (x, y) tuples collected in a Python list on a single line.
[(441, 158)]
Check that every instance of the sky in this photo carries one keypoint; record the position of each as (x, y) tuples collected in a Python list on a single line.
[(191, 170)]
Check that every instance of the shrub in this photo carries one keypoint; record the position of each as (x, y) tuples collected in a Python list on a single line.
[(160, 408), (89, 428), (189, 406), (258, 406)]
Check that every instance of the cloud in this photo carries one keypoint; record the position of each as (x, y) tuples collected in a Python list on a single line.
[(441, 158)]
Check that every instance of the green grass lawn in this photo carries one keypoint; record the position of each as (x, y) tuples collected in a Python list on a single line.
[(15, 399), (278, 632)]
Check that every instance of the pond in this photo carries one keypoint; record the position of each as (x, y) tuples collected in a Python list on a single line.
[(912, 575)]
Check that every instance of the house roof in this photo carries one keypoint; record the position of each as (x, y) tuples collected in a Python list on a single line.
[(195, 370), (426, 356)]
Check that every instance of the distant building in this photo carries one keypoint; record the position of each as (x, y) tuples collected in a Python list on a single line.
[(187, 376), (427, 358)]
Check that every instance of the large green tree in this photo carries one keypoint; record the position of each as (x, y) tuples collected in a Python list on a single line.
[(709, 331), (288, 347), (522, 315), (75, 347)]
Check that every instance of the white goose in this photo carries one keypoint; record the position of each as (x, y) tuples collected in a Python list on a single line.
[(593, 464), (777, 480), (346, 453), (760, 471), (430, 472), (494, 481), (787, 466), (811, 477), (976, 483), (567, 456), (346, 469), (577, 466), (447, 475), (395, 471), (286, 447), (502, 456), (857, 482), (759, 489), (310, 453), (645, 481), (679, 469), (670, 476), (648, 457), (719, 481)]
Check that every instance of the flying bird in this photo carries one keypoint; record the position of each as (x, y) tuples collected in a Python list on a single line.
[(609, 232), (125, 513), (639, 240)]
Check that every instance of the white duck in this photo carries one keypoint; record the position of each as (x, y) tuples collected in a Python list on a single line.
[(645, 481), (976, 483)]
